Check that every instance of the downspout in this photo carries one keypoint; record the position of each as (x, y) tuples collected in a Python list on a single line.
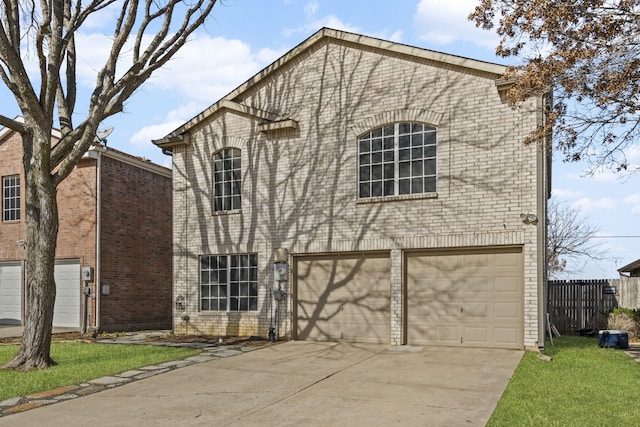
[(98, 230), (541, 252), (543, 183)]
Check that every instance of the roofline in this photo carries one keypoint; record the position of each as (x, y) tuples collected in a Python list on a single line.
[(630, 267), (228, 101), (123, 157), (175, 137), (376, 43), (56, 133)]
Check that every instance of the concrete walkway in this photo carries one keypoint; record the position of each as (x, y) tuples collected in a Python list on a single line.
[(293, 383)]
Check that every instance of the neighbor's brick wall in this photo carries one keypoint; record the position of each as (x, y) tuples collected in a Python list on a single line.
[(135, 247), (300, 189), (76, 213), (10, 232), (76, 209)]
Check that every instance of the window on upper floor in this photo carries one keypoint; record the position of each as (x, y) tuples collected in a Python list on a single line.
[(397, 159), (229, 282), (227, 180), (11, 198)]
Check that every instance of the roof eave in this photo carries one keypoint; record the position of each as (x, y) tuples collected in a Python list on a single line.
[(630, 267), (229, 100)]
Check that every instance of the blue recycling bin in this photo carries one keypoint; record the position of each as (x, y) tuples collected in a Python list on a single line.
[(613, 338)]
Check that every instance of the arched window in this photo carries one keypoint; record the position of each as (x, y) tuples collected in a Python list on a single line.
[(397, 159), (227, 180)]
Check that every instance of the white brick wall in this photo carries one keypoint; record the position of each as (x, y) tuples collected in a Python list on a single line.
[(300, 188)]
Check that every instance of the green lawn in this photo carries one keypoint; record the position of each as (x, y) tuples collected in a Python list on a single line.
[(583, 385), (80, 362)]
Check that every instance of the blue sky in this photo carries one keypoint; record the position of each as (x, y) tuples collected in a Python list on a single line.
[(244, 36)]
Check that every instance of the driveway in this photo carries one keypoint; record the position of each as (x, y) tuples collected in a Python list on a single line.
[(303, 384)]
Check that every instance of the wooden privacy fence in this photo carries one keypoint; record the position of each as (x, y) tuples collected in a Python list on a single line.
[(576, 304)]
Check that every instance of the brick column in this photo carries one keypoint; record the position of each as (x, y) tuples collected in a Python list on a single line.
[(396, 297)]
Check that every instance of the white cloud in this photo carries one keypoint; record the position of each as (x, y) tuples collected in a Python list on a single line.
[(208, 68), (445, 22), (205, 69), (267, 56), (564, 194), (310, 9), (143, 137), (185, 112), (336, 23), (329, 21), (634, 200), (396, 36), (586, 205)]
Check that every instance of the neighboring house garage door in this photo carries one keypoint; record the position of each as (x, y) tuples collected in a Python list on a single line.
[(467, 298), (66, 312), (345, 297), (10, 293)]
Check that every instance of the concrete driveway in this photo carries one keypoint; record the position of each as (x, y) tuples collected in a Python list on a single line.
[(303, 384)]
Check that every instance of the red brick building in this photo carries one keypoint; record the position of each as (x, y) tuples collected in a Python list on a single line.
[(115, 218)]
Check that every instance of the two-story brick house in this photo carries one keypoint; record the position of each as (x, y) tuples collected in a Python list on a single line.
[(393, 181), (115, 217)]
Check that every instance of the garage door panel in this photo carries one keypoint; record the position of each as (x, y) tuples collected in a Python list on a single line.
[(66, 312), (477, 284), (476, 295), (476, 310), (476, 335), (506, 335), (11, 293), (510, 311), (507, 260), (343, 298), (447, 334), (507, 284), (446, 311)]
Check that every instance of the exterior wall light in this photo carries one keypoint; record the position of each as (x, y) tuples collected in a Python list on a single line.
[(530, 219), (281, 255)]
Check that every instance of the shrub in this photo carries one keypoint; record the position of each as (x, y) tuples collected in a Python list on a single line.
[(632, 313), (621, 318)]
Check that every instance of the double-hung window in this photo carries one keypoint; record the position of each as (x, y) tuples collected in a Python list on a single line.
[(227, 180), (229, 282), (11, 198), (397, 159)]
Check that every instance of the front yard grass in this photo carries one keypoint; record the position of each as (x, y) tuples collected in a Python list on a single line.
[(79, 362), (583, 385)]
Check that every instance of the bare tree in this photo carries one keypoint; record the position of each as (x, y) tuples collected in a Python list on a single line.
[(153, 31), (570, 238), (589, 53)]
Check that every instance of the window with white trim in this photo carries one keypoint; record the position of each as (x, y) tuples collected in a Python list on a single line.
[(227, 180), (11, 198), (229, 282), (397, 159)]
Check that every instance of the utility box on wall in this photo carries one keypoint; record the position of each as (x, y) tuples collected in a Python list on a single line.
[(281, 272), (87, 274)]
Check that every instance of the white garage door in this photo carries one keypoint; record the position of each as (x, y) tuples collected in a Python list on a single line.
[(10, 293), (470, 298), (66, 312), (343, 297)]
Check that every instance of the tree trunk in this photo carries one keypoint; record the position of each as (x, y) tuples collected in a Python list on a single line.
[(42, 233)]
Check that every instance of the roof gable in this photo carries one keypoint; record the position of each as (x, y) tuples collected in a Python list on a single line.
[(233, 100)]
